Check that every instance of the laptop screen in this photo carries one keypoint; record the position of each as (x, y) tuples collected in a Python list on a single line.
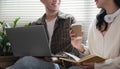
[(29, 41)]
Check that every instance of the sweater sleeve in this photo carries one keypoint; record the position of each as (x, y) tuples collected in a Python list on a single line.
[(87, 47), (87, 52), (109, 64)]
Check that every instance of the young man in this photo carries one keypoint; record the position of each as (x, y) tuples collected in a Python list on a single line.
[(57, 25)]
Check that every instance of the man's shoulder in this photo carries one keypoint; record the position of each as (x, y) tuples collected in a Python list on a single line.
[(65, 15), (37, 22), (39, 19)]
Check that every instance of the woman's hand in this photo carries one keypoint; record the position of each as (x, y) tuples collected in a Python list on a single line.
[(87, 65), (76, 41)]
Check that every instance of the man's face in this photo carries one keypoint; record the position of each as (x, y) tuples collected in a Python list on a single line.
[(51, 5)]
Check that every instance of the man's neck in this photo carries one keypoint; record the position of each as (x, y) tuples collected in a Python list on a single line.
[(51, 15)]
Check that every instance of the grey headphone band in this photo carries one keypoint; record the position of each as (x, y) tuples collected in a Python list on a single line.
[(110, 17)]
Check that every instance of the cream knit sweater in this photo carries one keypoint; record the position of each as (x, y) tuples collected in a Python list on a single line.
[(107, 46)]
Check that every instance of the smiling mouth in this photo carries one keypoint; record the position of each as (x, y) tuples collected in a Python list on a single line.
[(54, 4)]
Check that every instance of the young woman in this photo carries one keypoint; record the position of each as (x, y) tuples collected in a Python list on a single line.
[(103, 36)]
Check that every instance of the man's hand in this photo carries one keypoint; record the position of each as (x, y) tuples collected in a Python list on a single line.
[(76, 41)]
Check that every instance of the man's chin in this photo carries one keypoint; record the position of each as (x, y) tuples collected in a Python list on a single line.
[(56, 9)]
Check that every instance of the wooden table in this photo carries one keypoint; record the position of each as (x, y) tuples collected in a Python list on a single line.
[(6, 61)]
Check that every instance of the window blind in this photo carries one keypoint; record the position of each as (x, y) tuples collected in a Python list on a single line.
[(30, 10)]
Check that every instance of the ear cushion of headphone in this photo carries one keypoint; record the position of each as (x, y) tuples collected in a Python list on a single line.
[(109, 18)]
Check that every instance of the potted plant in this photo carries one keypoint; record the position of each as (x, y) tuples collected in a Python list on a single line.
[(6, 55), (5, 48)]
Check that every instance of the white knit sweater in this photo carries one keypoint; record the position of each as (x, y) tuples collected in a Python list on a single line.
[(107, 46)]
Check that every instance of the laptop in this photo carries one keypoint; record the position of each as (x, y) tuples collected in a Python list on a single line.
[(29, 41)]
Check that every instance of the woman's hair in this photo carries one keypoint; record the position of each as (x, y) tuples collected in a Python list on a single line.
[(100, 17)]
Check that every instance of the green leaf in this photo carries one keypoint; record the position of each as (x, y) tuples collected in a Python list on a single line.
[(1, 22), (7, 25), (15, 22), (27, 25)]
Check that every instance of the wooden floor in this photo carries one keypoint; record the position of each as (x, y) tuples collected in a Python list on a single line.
[(6, 61)]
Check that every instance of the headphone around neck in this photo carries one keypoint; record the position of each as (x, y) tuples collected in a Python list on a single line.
[(109, 18)]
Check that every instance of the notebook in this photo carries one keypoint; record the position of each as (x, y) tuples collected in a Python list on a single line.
[(29, 41)]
